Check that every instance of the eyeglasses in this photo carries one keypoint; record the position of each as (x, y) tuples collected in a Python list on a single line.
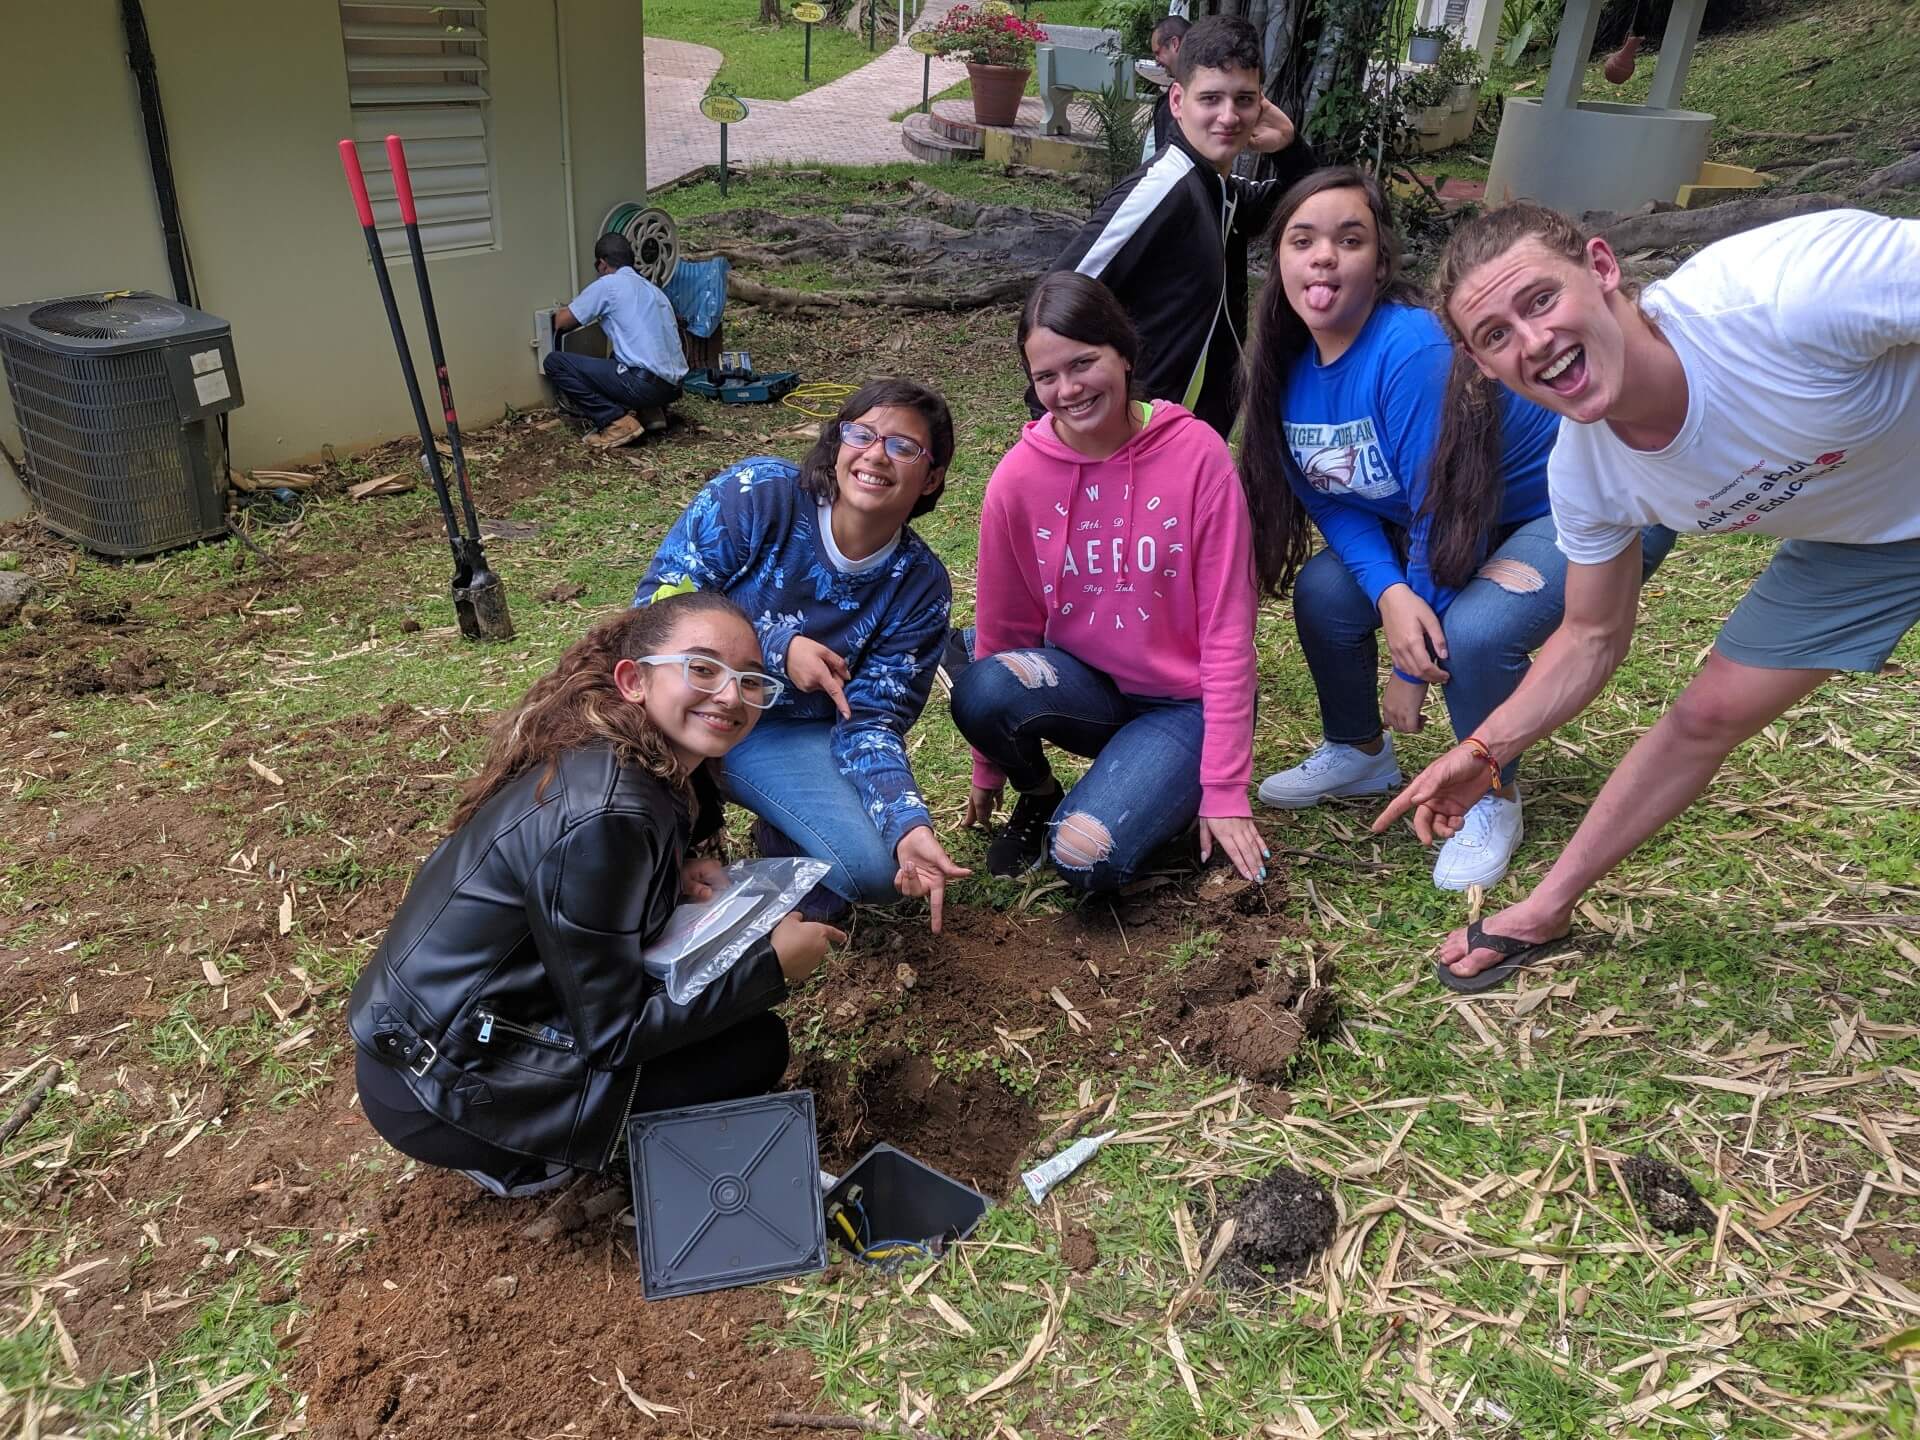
[(903, 448), (710, 676)]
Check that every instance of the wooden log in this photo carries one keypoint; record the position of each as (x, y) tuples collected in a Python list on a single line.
[(1894, 176), (1820, 167), (1702, 227)]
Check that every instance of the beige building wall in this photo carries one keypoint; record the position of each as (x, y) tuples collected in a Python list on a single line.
[(255, 96)]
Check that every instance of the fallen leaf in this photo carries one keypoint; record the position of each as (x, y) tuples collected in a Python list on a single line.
[(286, 912)]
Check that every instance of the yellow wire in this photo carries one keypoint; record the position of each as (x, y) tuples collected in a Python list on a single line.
[(845, 1225), (827, 393)]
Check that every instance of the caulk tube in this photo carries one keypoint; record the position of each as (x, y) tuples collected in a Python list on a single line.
[(1049, 1173)]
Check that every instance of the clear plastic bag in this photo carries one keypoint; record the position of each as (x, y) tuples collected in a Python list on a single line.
[(706, 938)]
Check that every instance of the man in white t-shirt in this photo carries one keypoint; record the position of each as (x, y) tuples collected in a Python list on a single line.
[(1771, 384), (627, 394)]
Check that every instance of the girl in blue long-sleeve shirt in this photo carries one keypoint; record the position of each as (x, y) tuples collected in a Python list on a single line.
[(1345, 425), (851, 607)]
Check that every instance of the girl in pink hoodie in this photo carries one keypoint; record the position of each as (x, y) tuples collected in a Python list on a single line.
[(1113, 615)]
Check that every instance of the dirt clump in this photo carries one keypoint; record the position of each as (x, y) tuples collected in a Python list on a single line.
[(969, 1126), (1251, 1020), (1279, 1226), (1666, 1196), (1079, 1248)]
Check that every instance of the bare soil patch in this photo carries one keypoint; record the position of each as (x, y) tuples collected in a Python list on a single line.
[(1280, 1225)]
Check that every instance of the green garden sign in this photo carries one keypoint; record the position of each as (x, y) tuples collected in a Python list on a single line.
[(724, 108), (923, 41), (808, 16)]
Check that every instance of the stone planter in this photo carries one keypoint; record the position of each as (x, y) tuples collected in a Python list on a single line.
[(996, 92)]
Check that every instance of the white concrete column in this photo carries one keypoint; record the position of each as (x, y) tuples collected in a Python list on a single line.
[(1578, 25), (1483, 28), (1676, 54)]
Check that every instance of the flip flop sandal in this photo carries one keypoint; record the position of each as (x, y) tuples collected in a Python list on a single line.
[(1517, 955)]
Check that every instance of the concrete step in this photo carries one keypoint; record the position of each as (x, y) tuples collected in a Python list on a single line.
[(925, 142), (954, 118)]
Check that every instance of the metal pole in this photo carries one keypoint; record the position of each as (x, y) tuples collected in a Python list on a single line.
[(723, 161), (901, 36), (806, 67), (926, 81), (873, 11)]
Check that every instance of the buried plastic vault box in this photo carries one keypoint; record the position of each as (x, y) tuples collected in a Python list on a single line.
[(902, 1199), (726, 1194)]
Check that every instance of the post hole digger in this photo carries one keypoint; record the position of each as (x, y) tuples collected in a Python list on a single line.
[(479, 599)]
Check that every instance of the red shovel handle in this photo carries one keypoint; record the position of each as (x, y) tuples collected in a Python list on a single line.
[(356, 182), (402, 184)]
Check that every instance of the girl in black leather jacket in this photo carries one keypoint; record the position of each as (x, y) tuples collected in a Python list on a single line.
[(505, 1026)]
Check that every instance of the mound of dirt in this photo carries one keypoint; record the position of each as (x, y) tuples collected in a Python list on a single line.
[(1665, 1196), (969, 1126), (1278, 1227), (1248, 1018)]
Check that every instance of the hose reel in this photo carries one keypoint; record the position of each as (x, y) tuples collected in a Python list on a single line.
[(653, 235)]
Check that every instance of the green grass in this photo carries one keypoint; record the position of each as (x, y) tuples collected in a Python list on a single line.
[(1771, 913), (763, 62), (828, 189)]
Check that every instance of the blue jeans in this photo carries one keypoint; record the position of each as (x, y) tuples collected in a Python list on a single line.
[(604, 390), (784, 773), (1143, 788), (1493, 627)]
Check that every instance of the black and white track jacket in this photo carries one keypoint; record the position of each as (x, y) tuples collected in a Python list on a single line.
[(1170, 241)]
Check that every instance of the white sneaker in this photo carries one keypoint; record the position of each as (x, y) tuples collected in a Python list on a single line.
[(1332, 770), (1478, 855)]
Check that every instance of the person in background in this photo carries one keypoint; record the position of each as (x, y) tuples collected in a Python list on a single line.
[(1165, 40), (852, 608), (625, 395), (1345, 425), (1170, 241), (506, 1027)]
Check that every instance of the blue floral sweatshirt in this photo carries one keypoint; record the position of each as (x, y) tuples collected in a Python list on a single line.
[(756, 537)]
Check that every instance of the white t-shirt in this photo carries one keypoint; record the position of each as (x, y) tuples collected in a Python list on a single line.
[(1801, 345), (638, 319)]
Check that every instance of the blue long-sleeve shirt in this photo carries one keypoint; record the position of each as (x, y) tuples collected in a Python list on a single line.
[(755, 536), (1363, 430)]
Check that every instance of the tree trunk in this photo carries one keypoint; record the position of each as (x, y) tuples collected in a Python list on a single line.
[(770, 12)]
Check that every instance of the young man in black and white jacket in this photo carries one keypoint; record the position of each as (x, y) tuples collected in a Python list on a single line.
[(1171, 239)]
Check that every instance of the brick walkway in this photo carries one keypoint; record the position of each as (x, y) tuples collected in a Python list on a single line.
[(844, 122)]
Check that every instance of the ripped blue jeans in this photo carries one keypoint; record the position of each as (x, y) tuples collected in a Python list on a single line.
[(1143, 788)]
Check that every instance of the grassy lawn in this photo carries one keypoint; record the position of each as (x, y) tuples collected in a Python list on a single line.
[(763, 62), (1743, 1006), (218, 774)]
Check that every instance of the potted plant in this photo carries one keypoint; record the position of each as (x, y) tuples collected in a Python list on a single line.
[(997, 46), (1426, 43)]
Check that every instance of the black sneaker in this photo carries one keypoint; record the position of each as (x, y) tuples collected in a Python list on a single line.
[(955, 656), (1023, 839)]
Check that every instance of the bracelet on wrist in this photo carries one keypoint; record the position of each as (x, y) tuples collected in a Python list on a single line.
[(1481, 749)]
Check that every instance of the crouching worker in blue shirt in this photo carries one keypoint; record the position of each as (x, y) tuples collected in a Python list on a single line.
[(506, 1027), (851, 607), (626, 395)]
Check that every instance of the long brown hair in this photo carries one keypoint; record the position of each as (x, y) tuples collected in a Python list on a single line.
[(576, 703), (1084, 311), (1282, 534), (1468, 483)]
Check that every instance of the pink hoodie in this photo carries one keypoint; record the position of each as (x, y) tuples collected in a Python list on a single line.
[(1140, 565)]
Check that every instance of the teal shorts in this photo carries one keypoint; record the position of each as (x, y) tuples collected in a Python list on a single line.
[(1822, 606)]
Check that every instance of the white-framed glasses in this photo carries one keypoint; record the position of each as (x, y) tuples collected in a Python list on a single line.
[(710, 677), (903, 448)]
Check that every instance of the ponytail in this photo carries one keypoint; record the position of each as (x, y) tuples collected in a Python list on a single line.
[(1466, 480)]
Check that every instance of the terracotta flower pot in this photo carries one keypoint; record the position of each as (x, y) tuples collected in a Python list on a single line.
[(996, 92)]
